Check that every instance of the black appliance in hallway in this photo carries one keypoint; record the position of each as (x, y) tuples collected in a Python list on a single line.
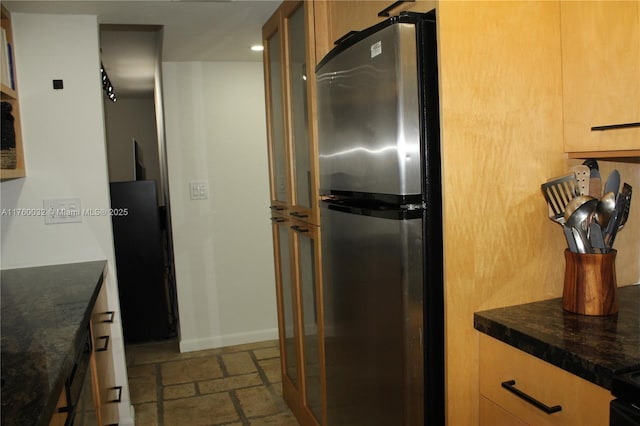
[(141, 260)]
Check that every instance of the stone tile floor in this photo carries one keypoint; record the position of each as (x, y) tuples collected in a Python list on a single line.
[(235, 385)]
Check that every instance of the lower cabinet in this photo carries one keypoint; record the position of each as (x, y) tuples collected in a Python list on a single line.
[(569, 399), (297, 260), (59, 417), (106, 394)]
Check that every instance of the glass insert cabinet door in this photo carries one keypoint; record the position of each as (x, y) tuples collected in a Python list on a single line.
[(297, 82), (305, 243), (290, 87), (301, 348), (287, 299), (278, 152)]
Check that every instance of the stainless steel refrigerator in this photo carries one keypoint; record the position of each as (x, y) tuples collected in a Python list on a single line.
[(381, 217)]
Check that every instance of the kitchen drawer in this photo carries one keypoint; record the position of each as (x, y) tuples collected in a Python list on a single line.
[(581, 402), (105, 389), (494, 415)]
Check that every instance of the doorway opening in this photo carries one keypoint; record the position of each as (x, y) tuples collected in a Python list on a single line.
[(138, 181)]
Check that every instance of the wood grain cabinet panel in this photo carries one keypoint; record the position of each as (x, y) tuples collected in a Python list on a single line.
[(59, 418), (581, 402), (297, 265), (9, 94), (335, 19), (290, 85), (106, 394), (601, 77)]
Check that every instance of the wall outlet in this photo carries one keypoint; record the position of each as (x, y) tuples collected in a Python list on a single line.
[(199, 190), (62, 210)]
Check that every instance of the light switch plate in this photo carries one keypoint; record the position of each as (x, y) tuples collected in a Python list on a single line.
[(62, 210), (199, 190)]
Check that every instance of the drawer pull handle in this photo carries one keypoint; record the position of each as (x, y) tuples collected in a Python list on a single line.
[(510, 385), (110, 318), (299, 215), (385, 12), (278, 219), (118, 389), (299, 229), (614, 126), (106, 343)]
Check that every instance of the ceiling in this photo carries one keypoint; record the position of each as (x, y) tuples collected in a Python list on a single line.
[(189, 30)]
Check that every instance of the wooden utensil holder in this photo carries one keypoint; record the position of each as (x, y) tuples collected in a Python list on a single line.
[(590, 286)]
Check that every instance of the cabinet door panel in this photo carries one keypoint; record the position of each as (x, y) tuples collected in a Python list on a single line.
[(275, 114), (306, 246), (491, 414), (601, 74), (582, 402), (101, 320), (287, 297), (297, 80)]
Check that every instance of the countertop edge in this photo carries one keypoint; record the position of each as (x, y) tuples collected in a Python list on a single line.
[(47, 397), (52, 402), (545, 351), (594, 348)]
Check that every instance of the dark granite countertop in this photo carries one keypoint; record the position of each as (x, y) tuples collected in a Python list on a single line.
[(594, 348), (45, 314)]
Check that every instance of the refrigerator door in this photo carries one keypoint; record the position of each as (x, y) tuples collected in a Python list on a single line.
[(368, 116), (373, 315)]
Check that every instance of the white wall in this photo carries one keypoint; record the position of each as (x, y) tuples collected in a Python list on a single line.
[(215, 131), (64, 143)]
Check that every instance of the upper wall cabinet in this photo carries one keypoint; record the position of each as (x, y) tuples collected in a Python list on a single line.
[(289, 63), (601, 78), (12, 165), (336, 19)]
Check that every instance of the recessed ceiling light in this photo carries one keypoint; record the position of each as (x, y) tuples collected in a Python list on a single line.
[(257, 48)]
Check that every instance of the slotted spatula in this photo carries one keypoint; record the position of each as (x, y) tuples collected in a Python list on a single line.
[(558, 192)]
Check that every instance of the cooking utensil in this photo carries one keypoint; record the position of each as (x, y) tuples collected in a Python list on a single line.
[(591, 163), (596, 238), (604, 209), (583, 175), (624, 199), (613, 183), (576, 203), (559, 192), (579, 241), (577, 216), (571, 240), (625, 210), (595, 183)]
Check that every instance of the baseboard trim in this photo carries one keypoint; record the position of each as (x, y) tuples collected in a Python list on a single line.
[(190, 345)]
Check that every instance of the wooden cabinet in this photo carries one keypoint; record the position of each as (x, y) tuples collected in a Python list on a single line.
[(106, 393), (289, 68), (503, 366), (335, 19), (289, 63), (60, 415), (10, 168), (601, 78), (297, 261)]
